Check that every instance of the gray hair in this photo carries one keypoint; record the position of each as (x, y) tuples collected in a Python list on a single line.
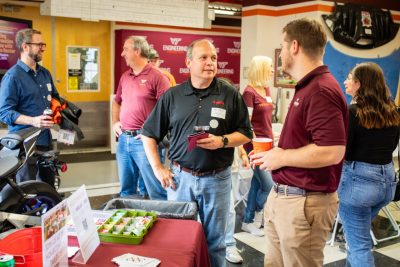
[(25, 36), (140, 43), (189, 52)]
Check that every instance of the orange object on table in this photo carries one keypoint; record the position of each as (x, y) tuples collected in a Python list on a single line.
[(25, 245)]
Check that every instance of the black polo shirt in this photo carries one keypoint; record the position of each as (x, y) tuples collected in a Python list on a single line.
[(182, 107)]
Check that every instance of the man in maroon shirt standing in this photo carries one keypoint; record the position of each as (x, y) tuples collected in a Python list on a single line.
[(138, 91), (307, 163)]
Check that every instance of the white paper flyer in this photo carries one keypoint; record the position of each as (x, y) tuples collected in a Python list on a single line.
[(54, 236), (86, 230)]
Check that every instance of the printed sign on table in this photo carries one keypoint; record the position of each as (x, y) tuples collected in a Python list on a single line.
[(55, 230), (86, 230), (54, 236)]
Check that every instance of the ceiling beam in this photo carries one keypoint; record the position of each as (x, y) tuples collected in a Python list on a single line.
[(385, 4)]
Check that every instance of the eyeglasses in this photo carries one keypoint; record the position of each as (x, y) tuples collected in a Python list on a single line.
[(41, 45)]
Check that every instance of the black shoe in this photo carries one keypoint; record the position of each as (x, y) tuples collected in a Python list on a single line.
[(342, 247)]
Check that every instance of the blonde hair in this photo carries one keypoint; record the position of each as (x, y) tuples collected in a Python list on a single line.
[(260, 71)]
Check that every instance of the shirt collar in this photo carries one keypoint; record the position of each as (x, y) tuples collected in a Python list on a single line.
[(144, 71), (26, 68), (309, 76), (215, 87)]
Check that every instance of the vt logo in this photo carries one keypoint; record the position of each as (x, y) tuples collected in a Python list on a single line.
[(175, 41), (222, 64), (236, 45)]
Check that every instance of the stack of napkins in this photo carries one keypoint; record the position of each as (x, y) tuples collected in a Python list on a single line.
[(132, 260)]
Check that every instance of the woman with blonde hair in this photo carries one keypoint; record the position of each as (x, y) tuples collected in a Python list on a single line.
[(257, 97), (368, 179)]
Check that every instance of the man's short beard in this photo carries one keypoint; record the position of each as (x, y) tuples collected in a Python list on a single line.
[(36, 57)]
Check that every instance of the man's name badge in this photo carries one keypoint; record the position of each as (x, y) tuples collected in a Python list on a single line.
[(218, 113)]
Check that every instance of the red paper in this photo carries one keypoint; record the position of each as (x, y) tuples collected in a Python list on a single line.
[(192, 139)]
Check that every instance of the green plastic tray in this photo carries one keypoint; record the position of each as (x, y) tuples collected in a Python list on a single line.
[(116, 228)]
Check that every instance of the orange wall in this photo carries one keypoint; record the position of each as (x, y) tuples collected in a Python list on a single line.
[(68, 32)]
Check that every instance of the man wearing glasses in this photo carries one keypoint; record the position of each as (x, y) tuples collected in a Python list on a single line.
[(26, 91)]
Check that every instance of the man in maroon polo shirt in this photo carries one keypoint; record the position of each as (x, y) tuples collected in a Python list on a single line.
[(307, 163), (138, 91)]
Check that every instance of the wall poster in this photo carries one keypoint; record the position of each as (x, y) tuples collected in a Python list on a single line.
[(83, 68)]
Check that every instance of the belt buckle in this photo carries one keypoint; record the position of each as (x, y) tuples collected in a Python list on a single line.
[(132, 133), (275, 187), (286, 191)]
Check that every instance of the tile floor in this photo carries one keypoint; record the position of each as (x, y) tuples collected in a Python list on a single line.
[(98, 172)]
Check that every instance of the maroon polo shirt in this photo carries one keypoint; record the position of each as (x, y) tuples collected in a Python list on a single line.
[(138, 94), (317, 114), (261, 119)]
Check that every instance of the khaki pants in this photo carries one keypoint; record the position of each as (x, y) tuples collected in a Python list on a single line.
[(296, 228)]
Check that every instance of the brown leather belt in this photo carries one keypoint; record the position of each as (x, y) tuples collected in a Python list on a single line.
[(197, 173)]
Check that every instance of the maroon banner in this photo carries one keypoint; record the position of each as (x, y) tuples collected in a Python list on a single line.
[(9, 53), (172, 50)]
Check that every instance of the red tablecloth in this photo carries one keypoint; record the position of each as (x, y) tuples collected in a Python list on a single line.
[(177, 243)]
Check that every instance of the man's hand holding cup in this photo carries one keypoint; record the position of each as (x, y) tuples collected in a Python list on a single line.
[(260, 147)]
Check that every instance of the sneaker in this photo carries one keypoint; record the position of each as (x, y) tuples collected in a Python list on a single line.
[(259, 219), (343, 247), (252, 229), (232, 255)]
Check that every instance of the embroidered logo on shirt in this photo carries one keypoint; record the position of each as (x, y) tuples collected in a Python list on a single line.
[(220, 103), (143, 81), (296, 102)]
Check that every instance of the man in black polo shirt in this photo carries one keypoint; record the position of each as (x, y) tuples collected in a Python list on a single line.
[(202, 174)]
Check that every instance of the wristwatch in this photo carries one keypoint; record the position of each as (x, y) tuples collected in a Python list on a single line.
[(225, 141)]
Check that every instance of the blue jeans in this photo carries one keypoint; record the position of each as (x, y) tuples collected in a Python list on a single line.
[(211, 193), (261, 185), (131, 159), (141, 185), (363, 190), (230, 226)]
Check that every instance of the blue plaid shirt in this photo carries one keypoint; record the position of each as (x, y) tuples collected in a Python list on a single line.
[(26, 92)]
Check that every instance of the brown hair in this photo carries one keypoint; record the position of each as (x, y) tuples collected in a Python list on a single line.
[(309, 34), (25, 36), (376, 108)]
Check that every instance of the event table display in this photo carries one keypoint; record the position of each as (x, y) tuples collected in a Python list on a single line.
[(174, 242), (126, 226)]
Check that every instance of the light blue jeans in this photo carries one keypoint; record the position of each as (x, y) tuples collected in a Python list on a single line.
[(131, 159), (363, 190), (142, 187), (261, 185), (211, 193), (230, 226)]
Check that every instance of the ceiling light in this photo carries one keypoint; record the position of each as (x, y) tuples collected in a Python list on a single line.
[(224, 12)]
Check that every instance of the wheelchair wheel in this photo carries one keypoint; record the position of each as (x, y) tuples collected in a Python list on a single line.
[(40, 197)]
